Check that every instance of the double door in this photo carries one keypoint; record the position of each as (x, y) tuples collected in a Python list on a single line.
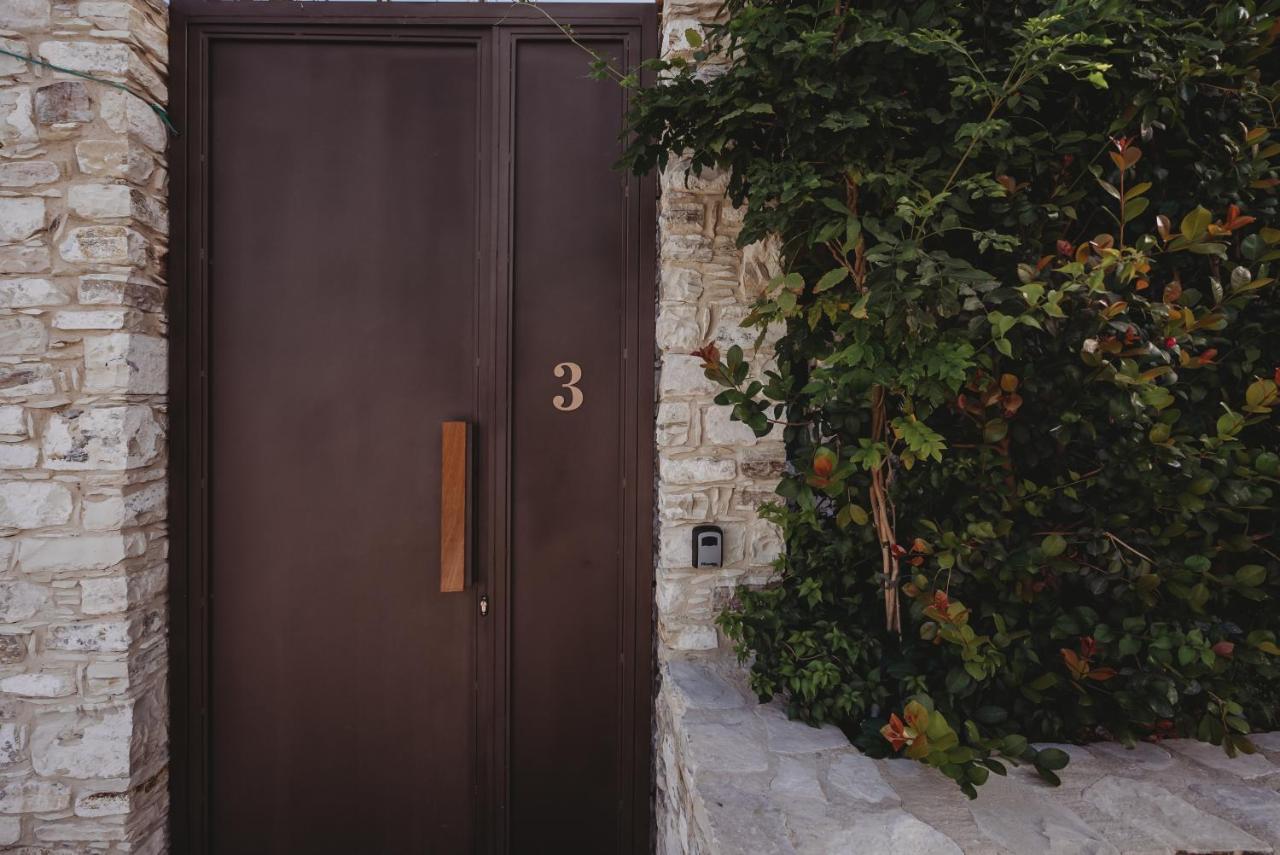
[(393, 228)]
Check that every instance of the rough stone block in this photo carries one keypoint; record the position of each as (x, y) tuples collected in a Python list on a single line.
[(13, 647), (33, 795), (83, 744), (27, 292), (13, 742), (20, 218), (104, 245), (83, 552), (13, 421), (94, 57), (87, 637), (122, 437), (22, 335), (696, 470), (26, 380), (20, 600), (1167, 818), (18, 455), (42, 684), (27, 15), (66, 101), (34, 504), (126, 362), (103, 595), (28, 173), (857, 777)]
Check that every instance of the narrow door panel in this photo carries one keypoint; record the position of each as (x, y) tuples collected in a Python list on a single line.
[(569, 278), (345, 208)]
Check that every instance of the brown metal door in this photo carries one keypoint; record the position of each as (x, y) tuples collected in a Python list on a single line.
[(380, 229), (344, 302)]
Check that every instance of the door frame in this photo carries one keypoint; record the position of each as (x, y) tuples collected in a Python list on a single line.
[(193, 26)]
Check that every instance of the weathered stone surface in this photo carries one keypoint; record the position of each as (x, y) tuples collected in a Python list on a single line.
[(24, 14), (13, 742), (104, 595), (22, 335), (19, 600), (33, 796), (857, 777), (703, 688), (33, 504), (108, 636), (20, 218), (28, 173), (104, 245), (83, 745), (13, 647), (725, 788), (43, 684), (795, 737), (102, 438), (120, 361), (1247, 766), (63, 102), (18, 455), (22, 293), (1167, 818), (83, 552), (102, 57), (696, 470)]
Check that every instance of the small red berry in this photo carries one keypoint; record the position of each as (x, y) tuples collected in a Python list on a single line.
[(1170, 342)]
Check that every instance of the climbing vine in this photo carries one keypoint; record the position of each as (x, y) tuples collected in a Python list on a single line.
[(1029, 369)]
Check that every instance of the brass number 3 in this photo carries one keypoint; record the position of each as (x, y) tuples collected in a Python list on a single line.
[(575, 394)]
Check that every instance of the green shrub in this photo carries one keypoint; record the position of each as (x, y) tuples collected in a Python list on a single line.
[(1029, 369)]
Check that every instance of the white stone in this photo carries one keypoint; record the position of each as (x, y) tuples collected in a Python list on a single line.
[(1143, 755), (672, 424), (765, 543), (100, 201), (684, 506), (891, 832), (120, 362), (690, 638), (680, 284), (25, 293), (857, 777), (1247, 766), (24, 259), (1160, 814), (18, 455), (683, 375), (795, 737), (84, 637), (25, 15), (31, 795), (13, 739), (1031, 819), (696, 470), (678, 329), (1266, 741), (13, 420), (796, 778), (95, 319), (33, 504), (718, 428), (98, 831), (20, 218), (725, 749), (10, 829), (83, 745), (104, 245), (42, 684), (702, 688), (101, 57), (22, 335), (20, 600), (83, 552), (121, 437), (17, 118), (28, 173), (104, 595)]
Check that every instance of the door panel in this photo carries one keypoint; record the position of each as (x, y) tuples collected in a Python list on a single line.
[(569, 281), (343, 310)]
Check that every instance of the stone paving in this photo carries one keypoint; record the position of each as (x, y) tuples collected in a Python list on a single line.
[(737, 777)]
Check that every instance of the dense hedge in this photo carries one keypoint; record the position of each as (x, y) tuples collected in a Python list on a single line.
[(1029, 369)]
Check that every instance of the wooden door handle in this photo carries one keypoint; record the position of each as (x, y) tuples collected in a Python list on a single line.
[(455, 505)]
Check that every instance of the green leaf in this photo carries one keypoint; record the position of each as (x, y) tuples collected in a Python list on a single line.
[(694, 37), (1251, 575), (831, 279), (1195, 223), (1052, 759), (1053, 545)]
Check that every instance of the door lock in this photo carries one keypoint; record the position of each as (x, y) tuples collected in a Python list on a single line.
[(484, 605)]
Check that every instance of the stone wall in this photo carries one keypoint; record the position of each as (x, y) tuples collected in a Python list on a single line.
[(710, 469), (83, 711), (740, 778)]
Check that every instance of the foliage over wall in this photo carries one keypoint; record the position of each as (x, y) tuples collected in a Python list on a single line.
[(1029, 373)]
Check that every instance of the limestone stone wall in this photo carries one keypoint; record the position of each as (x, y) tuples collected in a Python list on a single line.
[(710, 469), (83, 711)]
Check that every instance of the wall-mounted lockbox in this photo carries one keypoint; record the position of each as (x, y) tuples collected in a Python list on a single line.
[(708, 546)]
